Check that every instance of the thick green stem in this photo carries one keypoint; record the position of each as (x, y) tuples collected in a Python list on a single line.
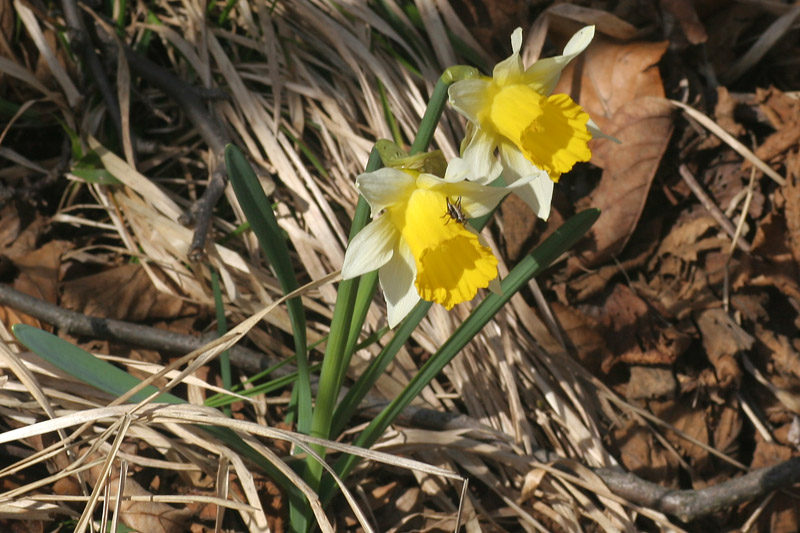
[(334, 364)]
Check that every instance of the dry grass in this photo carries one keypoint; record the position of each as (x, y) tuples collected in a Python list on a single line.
[(301, 76)]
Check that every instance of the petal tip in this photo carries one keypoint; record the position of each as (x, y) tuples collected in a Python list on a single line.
[(516, 40)]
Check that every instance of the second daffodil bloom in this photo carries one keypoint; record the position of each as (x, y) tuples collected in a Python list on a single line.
[(536, 133), (419, 249)]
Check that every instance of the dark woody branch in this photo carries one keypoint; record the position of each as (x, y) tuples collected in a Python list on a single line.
[(129, 333)]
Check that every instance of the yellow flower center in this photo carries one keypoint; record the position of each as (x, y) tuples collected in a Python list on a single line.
[(451, 263), (550, 131)]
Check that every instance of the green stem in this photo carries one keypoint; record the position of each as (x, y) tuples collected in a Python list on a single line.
[(560, 241), (334, 364)]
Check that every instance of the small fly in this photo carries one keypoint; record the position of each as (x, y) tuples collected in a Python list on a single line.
[(454, 212)]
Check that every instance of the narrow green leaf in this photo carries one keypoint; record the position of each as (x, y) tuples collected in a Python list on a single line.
[(430, 120), (262, 219), (388, 115), (222, 328), (85, 366), (99, 176), (535, 262), (104, 376)]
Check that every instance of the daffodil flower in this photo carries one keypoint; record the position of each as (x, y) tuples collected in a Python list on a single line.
[(537, 134), (421, 251)]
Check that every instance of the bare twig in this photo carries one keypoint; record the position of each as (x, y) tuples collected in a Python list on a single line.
[(191, 101), (128, 333), (691, 504), (712, 208)]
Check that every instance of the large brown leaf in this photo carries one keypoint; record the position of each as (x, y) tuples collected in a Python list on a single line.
[(636, 333), (621, 88), (644, 127), (123, 293)]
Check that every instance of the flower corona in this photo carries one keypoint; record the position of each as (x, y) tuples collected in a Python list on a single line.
[(417, 252), (537, 134)]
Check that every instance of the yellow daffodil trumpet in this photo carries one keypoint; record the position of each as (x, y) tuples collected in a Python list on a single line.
[(417, 251), (513, 113)]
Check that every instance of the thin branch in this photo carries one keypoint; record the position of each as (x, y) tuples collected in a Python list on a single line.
[(152, 338), (191, 100), (689, 505), (712, 208)]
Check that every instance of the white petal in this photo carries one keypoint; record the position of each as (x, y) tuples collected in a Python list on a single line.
[(543, 75), (495, 286), (371, 248), (385, 187), (516, 40), (397, 282), (458, 170), (468, 97), (515, 164), (476, 199), (532, 184), (479, 155), (542, 188), (594, 129), (511, 67), (579, 41)]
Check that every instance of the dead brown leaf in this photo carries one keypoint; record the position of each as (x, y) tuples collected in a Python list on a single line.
[(122, 293), (620, 87), (724, 113), (684, 12), (722, 340), (649, 382), (769, 453), (39, 271), (779, 108), (791, 193), (779, 142), (643, 244), (684, 240), (38, 276), (684, 417), (20, 229), (153, 517), (519, 224), (782, 359), (642, 455), (644, 127), (636, 335), (611, 76), (584, 335), (727, 429), (772, 262)]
